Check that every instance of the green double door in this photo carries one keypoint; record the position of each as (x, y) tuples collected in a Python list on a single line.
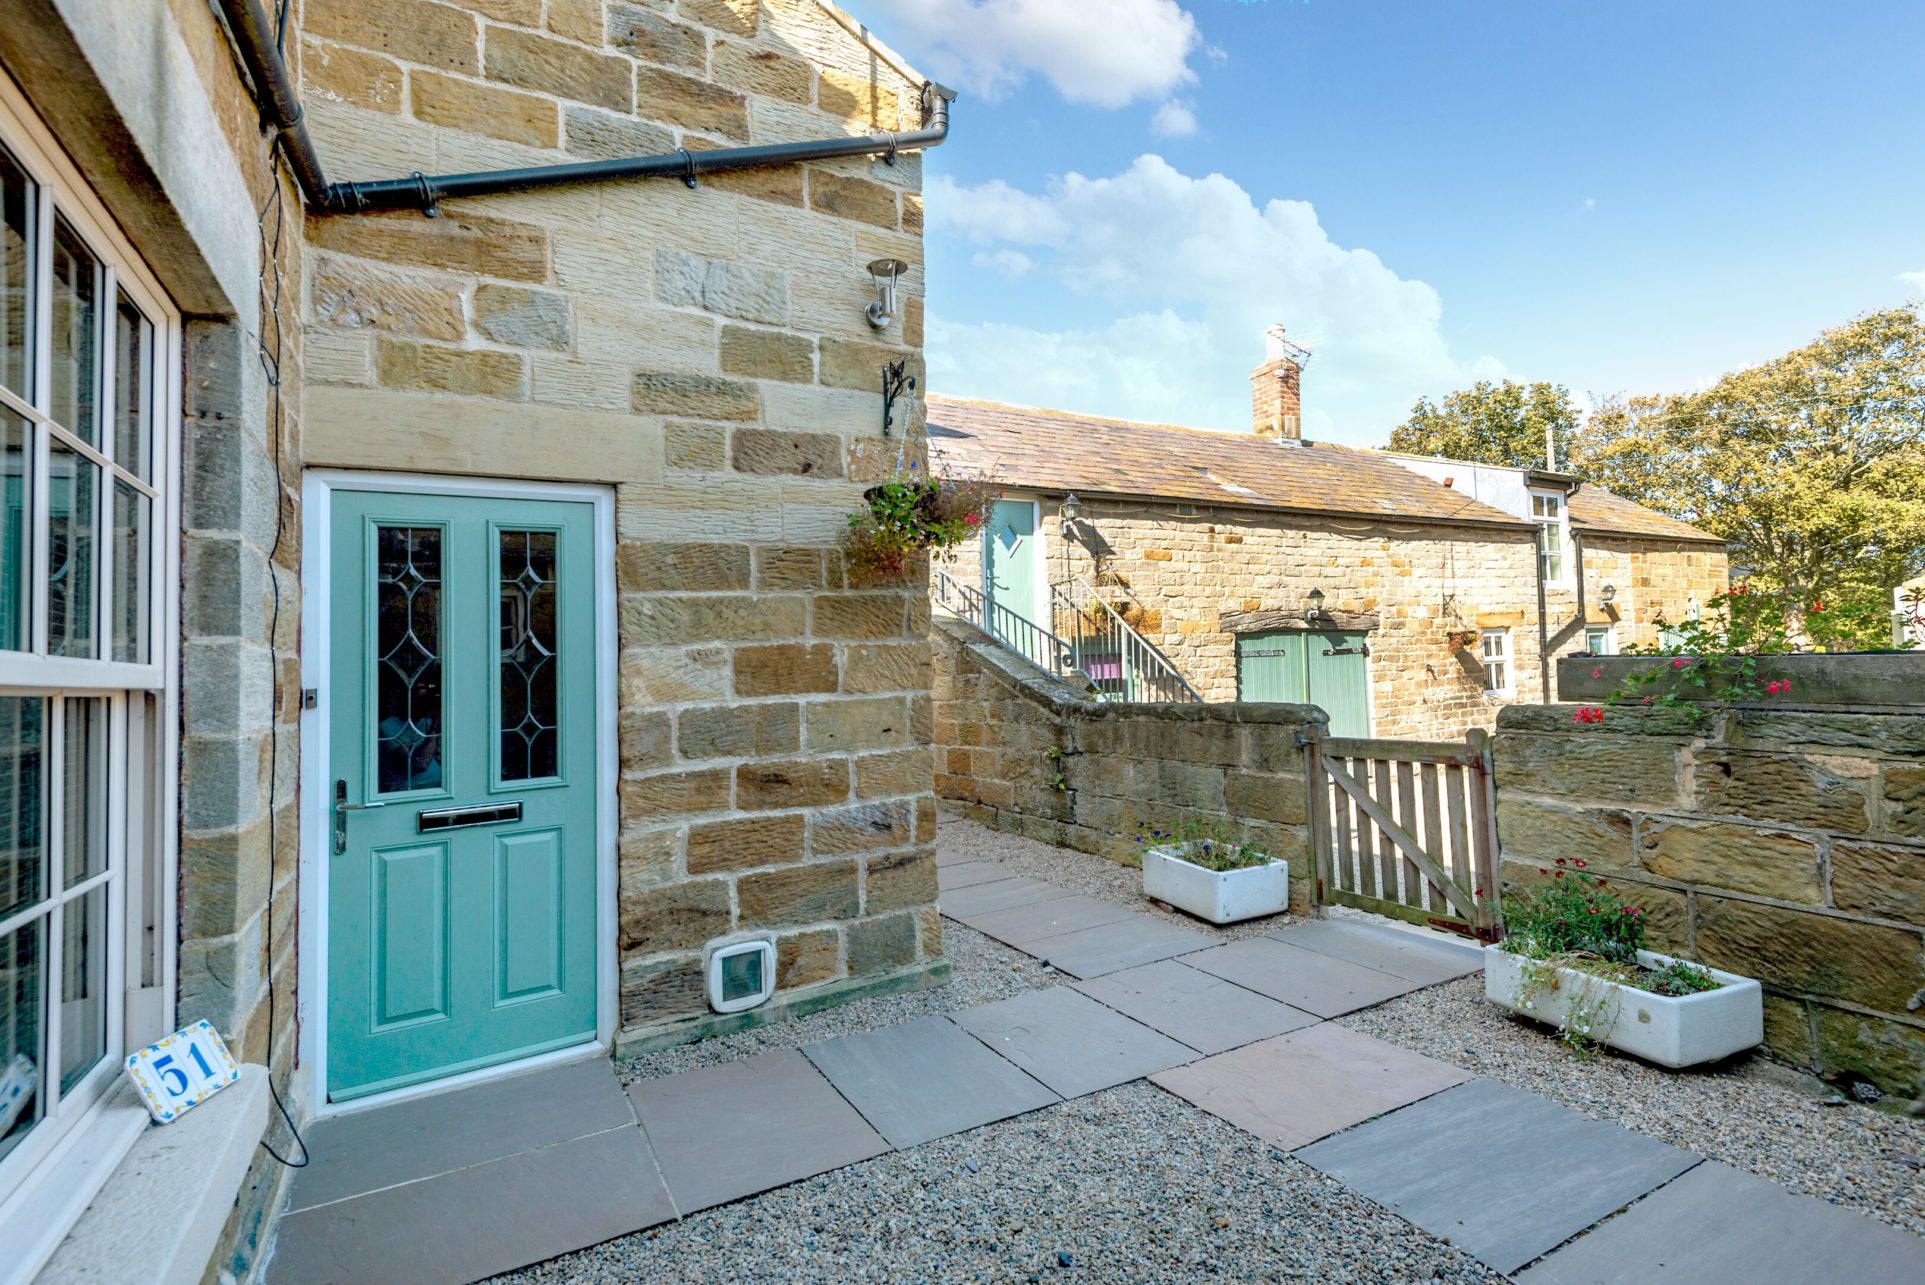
[(1327, 669), (462, 880)]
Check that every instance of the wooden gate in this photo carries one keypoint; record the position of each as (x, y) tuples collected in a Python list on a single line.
[(1407, 829)]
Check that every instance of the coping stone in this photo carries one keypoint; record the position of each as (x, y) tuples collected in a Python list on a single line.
[(1721, 1226), (1504, 1174), (1205, 1012), (417, 1138), (1000, 895), (1110, 948), (1402, 952), (1019, 925), (478, 1222), (925, 1079), (1071, 1043), (1305, 979), (724, 1132), (1294, 1089)]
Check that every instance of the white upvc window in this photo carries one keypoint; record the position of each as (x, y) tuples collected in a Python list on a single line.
[(1547, 511), (89, 396), (1601, 640), (1495, 648)]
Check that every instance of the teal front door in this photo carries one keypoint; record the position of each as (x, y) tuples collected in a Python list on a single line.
[(462, 875), (1012, 554), (1327, 669)]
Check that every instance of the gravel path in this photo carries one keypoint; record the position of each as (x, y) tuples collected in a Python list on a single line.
[(1750, 1113), (1135, 1185), (1126, 1185)]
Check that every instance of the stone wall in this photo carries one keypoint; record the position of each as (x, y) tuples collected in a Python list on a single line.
[(1191, 575), (1786, 844), (705, 353), (1019, 752)]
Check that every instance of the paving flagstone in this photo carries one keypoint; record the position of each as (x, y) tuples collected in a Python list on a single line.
[(1070, 1042), (969, 873), (485, 1179), (1503, 1173), (1721, 1226), (480, 1221), (724, 1132), (1296, 1088), (1109, 948), (1002, 894), (1205, 1012), (367, 1150), (925, 1079), (1400, 952), (1021, 926), (1305, 979)]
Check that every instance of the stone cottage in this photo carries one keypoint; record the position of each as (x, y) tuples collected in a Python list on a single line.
[(421, 635), (1410, 597)]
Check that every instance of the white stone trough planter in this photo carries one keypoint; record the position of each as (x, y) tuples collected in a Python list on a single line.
[(1219, 896), (1670, 1030)]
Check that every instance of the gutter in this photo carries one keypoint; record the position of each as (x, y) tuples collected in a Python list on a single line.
[(1512, 525), (259, 54)]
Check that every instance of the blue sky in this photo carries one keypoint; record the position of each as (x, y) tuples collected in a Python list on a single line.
[(1634, 197)]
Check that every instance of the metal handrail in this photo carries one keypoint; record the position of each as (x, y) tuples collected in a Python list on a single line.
[(1035, 644), (1122, 663)]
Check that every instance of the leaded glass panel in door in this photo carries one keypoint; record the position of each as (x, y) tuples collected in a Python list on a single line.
[(528, 670), (407, 642)]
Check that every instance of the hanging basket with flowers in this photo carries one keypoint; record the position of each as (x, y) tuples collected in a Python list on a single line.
[(907, 515)]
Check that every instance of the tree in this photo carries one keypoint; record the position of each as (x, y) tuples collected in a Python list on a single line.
[(1491, 424), (1812, 465)]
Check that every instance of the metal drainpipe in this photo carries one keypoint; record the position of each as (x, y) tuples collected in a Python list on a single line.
[(1543, 627), (1577, 558), (252, 32)]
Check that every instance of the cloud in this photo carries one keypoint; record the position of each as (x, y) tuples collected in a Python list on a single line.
[(1006, 263), (994, 211), (1108, 53), (1173, 120), (1914, 281), (1190, 271)]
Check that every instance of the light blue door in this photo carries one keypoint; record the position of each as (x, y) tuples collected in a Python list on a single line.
[(1012, 554), (463, 785)]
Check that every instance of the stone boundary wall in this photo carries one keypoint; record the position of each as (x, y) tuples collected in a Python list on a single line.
[(1190, 578), (1121, 766), (1784, 844)]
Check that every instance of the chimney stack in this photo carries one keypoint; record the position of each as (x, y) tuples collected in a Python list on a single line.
[(1276, 391)]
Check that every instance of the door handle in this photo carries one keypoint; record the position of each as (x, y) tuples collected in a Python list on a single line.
[(341, 809)]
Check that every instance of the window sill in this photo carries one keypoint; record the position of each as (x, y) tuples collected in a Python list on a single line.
[(158, 1211)]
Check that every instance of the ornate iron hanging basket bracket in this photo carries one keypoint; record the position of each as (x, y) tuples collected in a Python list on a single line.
[(895, 382)]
